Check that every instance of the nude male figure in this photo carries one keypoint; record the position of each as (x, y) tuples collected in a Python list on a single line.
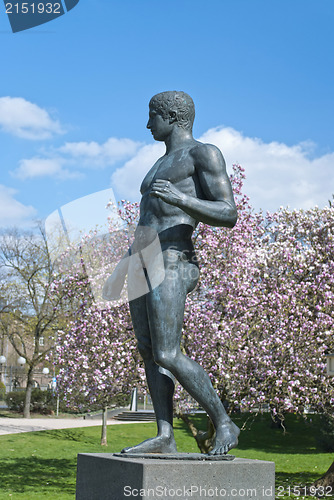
[(187, 185)]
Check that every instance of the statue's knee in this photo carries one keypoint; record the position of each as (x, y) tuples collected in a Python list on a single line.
[(165, 359)]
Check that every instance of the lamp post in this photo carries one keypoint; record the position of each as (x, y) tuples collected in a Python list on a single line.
[(21, 361), (2, 374), (330, 364), (45, 372)]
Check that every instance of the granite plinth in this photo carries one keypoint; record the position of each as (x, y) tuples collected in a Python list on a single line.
[(103, 476)]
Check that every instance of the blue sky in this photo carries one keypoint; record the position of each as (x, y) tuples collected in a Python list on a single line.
[(74, 98)]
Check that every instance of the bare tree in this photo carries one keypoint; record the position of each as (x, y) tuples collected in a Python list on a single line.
[(28, 311)]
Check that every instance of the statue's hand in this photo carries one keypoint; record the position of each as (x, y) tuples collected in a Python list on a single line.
[(167, 192), (113, 286)]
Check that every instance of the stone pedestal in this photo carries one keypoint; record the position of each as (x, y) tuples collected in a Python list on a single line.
[(103, 476)]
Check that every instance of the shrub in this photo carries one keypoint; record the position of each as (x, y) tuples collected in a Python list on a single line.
[(325, 433), (41, 401), (15, 400), (121, 399)]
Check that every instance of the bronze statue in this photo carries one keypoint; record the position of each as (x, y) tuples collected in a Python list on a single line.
[(187, 185)]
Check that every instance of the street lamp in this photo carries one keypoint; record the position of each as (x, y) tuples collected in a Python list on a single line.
[(2, 362), (45, 372), (21, 361)]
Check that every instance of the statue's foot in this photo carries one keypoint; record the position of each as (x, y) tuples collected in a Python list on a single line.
[(226, 438), (158, 444)]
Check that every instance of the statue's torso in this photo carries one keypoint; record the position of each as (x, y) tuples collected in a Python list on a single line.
[(178, 168)]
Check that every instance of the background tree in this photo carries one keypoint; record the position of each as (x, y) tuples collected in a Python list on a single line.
[(29, 312), (97, 359)]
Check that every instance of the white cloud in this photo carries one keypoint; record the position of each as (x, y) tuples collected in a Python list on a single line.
[(276, 174), (27, 120), (12, 212), (43, 167), (68, 161), (105, 154), (127, 179)]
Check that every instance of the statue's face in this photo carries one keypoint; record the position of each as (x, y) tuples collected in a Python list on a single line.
[(159, 126)]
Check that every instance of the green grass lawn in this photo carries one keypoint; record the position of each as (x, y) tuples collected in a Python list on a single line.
[(42, 465)]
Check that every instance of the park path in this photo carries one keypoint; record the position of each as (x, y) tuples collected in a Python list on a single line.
[(16, 425)]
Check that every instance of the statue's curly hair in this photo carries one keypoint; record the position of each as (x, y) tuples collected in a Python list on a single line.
[(178, 101)]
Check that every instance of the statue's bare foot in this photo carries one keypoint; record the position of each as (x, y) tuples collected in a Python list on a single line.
[(226, 438), (159, 444)]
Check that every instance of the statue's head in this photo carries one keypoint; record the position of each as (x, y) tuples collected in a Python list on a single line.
[(175, 103)]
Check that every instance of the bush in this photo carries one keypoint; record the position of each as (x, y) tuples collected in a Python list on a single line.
[(41, 401), (82, 405), (45, 402), (15, 400), (325, 433), (121, 399)]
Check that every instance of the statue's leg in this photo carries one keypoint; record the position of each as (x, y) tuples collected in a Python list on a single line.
[(165, 306), (160, 383)]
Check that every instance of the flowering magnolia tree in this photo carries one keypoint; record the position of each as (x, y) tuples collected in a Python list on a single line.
[(262, 318), (97, 359), (259, 321)]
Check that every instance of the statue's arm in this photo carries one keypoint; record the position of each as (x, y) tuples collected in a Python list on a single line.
[(218, 209)]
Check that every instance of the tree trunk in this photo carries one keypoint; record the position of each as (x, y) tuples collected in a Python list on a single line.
[(26, 410), (203, 439), (104, 427), (325, 481)]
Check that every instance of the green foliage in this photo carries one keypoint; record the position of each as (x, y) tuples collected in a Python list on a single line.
[(43, 402), (15, 400), (121, 400), (80, 405), (325, 433)]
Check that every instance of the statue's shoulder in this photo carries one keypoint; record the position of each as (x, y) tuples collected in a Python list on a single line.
[(207, 154)]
